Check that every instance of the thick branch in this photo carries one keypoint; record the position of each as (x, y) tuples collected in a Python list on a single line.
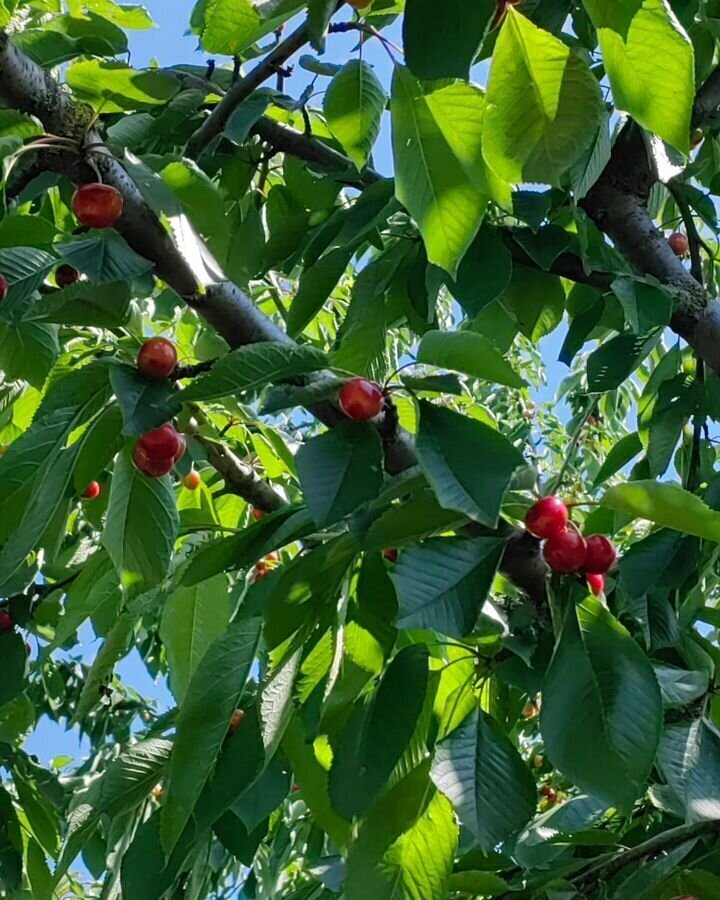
[(241, 90), (240, 478)]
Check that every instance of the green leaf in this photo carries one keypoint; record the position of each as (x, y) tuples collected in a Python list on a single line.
[(11, 844), (353, 106), (249, 368), (474, 766), (484, 272), (472, 881), (114, 647), (315, 286), (665, 504), (363, 333), (469, 353), (276, 703), (145, 402), (212, 697), (433, 384), (449, 446), (648, 59), (15, 658), (16, 718), (312, 779), (442, 42), (231, 26), (536, 300), (689, 758), (601, 700), (28, 351), (96, 587), (536, 847), (439, 174), (100, 443), (626, 449), (646, 306), (286, 396), (645, 563), (115, 87), (104, 259), (680, 687), (375, 739), (416, 517), (48, 497), (124, 16), (246, 114), (84, 304), (319, 14), (25, 269), (340, 470), (141, 525), (405, 847), (193, 618), (271, 533), (616, 359), (443, 583), (532, 131)]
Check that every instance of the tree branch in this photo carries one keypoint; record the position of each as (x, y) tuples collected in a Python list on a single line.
[(311, 150), (241, 90), (650, 848), (25, 86), (240, 478)]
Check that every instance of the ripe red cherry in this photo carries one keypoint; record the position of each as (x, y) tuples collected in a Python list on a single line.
[(678, 243), (565, 552), (154, 468), (549, 793), (192, 480), (92, 491), (596, 583), (361, 399), (157, 358), (547, 517), (237, 718), (601, 555), (4, 287), (391, 555), (182, 447), (97, 205), (66, 275), (162, 443), (257, 514), (6, 621)]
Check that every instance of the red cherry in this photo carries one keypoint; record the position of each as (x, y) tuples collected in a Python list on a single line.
[(91, 491), (548, 792), (4, 287), (361, 399), (260, 571), (257, 514), (66, 275), (235, 721), (97, 205), (678, 243), (154, 468), (596, 583), (192, 480), (601, 555), (547, 517), (529, 711), (391, 555), (182, 448), (162, 443), (157, 358), (565, 552), (6, 621)]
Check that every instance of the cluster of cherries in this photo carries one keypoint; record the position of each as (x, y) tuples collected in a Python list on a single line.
[(565, 550)]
